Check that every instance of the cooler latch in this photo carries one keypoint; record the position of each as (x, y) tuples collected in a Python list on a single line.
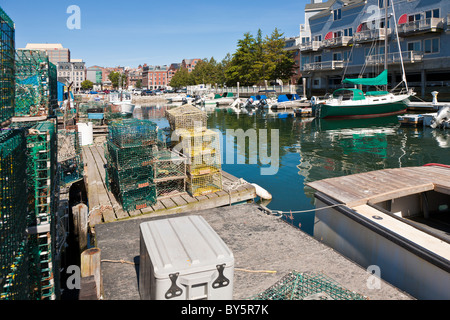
[(174, 290), (221, 280)]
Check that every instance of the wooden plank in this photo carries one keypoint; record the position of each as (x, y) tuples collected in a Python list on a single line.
[(104, 205), (168, 203), (442, 189), (398, 193), (118, 210), (188, 198), (179, 200), (158, 206)]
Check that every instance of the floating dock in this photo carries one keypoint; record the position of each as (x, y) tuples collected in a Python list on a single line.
[(104, 208), (265, 248)]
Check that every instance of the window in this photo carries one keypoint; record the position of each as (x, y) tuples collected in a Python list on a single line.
[(337, 14), (348, 32), (381, 3), (317, 58), (318, 38), (432, 14), (337, 56), (431, 45), (413, 46), (337, 34)]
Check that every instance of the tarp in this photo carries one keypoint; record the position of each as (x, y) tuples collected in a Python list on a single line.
[(381, 80), (34, 81)]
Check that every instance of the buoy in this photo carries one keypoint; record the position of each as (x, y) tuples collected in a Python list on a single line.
[(261, 192)]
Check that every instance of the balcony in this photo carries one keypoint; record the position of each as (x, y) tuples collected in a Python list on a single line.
[(325, 65), (394, 58), (421, 26), (370, 35), (336, 42), (310, 46)]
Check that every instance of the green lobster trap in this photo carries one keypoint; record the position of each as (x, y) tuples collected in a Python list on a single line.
[(307, 286), (135, 199), (36, 84), (13, 197), (128, 158), (7, 62), (133, 133), (130, 179)]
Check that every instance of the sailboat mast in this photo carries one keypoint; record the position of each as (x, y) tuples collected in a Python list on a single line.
[(385, 37)]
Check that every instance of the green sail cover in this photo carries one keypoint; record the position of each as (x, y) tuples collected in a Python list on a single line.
[(381, 80)]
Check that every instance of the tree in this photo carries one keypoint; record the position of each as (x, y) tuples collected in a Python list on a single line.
[(279, 63), (240, 68), (87, 85), (114, 78), (181, 79), (138, 84)]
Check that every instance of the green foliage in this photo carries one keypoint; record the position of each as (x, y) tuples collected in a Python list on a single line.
[(181, 79), (87, 85), (256, 59)]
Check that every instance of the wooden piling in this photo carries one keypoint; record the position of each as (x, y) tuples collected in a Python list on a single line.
[(90, 266)]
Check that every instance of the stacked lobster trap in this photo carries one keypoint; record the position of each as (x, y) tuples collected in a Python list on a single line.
[(36, 88), (70, 156), (7, 59), (130, 151), (200, 145)]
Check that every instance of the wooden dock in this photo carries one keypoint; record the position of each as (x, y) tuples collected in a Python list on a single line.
[(381, 185), (104, 208)]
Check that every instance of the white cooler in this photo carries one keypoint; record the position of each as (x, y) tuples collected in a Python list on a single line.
[(184, 259)]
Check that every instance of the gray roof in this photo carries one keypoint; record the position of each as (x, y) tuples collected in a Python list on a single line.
[(327, 4)]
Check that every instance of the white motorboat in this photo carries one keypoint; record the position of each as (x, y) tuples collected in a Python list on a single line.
[(395, 221)]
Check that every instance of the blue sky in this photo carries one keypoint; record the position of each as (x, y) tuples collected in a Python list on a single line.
[(131, 32)]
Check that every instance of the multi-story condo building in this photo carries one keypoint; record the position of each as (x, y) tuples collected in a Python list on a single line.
[(55, 51), (347, 38), (292, 45), (72, 72)]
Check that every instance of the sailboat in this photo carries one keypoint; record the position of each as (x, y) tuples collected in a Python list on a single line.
[(354, 103)]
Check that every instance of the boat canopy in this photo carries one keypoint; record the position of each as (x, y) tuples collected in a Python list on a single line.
[(380, 80), (349, 94), (288, 97), (228, 95), (217, 96)]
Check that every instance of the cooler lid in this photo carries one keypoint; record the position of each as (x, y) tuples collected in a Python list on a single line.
[(184, 245)]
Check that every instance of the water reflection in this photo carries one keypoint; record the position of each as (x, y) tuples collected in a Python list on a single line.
[(314, 149)]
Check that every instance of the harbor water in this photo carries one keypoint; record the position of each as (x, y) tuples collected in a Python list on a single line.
[(313, 149)]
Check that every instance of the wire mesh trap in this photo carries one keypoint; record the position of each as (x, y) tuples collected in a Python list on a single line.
[(307, 286), (133, 133), (186, 117)]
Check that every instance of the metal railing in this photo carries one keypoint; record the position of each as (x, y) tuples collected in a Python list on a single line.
[(368, 35), (408, 57), (429, 24), (336, 42), (325, 65), (310, 46)]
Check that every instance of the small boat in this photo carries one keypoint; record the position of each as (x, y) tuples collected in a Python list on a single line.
[(287, 101), (226, 99), (396, 220), (177, 98), (124, 101)]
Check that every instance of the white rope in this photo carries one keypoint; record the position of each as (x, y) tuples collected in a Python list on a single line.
[(305, 211)]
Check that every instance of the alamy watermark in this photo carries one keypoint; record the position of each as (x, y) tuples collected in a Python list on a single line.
[(74, 20), (252, 145)]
